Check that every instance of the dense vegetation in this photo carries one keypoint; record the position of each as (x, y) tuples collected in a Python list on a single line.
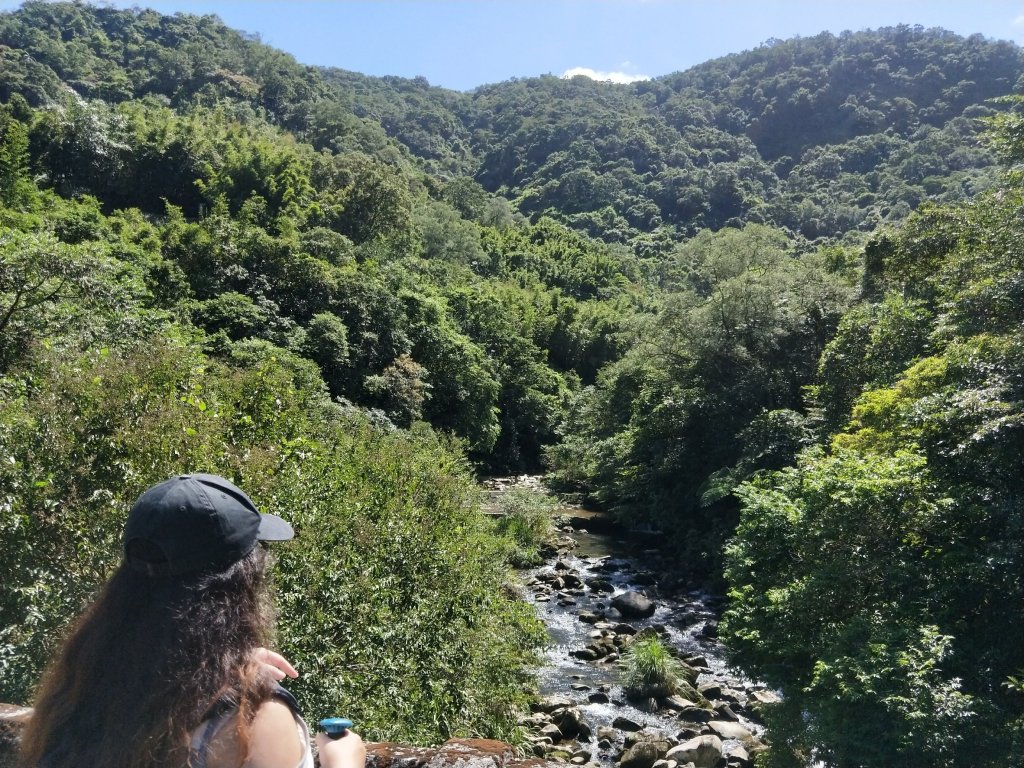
[(698, 301), (872, 581)]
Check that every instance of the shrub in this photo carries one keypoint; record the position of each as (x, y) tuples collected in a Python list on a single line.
[(391, 597), (526, 523)]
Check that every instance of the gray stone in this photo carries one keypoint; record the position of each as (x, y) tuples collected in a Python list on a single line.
[(572, 581), (625, 724), (551, 703), (710, 690), (696, 715), (572, 725), (552, 731), (536, 720), (605, 732), (643, 754), (598, 697), (633, 605), (740, 758), (725, 712), (677, 703), (732, 696), (702, 751), (729, 730)]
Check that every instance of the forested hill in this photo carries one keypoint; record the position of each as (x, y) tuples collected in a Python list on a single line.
[(770, 306), (820, 135)]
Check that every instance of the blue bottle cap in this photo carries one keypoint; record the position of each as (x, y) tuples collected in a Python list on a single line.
[(335, 725)]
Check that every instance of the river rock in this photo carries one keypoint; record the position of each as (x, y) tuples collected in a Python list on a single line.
[(572, 581), (765, 697), (633, 605), (739, 758), (551, 703), (696, 715), (572, 725), (725, 712), (625, 724), (758, 701), (710, 629), (658, 738), (643, 754), (536, 720), (584, 654), (600, 585), (677, 703), (688, 732), (589, 618), (608, 733), (732, 696), (710, 690), (623, 629), (702, 751), (598, 697), (552, 731), (729, 730)]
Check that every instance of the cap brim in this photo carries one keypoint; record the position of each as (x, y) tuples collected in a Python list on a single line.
[(274, 528)]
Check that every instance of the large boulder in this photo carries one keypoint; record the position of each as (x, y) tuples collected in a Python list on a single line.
[(643, 754), (571, 723), (551, 703), (625, 724), (729, 730), (633, 605), (702, 751)]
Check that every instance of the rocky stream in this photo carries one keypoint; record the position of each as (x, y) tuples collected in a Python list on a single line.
[(597, 592)]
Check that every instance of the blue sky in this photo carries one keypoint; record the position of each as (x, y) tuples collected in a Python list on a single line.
[(465, 43)]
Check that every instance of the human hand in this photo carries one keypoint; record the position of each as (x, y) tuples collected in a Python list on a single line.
[(274, 664), (346, 751)]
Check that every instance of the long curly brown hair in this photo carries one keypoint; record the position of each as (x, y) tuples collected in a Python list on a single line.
[(146, 663)]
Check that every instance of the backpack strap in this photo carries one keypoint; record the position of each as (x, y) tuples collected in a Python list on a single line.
[(222, 711)]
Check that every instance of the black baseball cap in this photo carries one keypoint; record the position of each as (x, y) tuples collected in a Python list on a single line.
[(194, 523)]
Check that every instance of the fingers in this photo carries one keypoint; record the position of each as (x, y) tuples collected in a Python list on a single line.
[(276, 665), (347, 751)]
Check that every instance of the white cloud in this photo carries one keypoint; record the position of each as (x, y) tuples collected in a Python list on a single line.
[(1019, 21), (611, 77)]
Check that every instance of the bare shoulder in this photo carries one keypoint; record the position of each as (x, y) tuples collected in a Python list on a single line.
[(273, 741), (273, 738)]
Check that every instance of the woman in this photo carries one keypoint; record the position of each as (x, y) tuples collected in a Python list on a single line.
[(167, 667)]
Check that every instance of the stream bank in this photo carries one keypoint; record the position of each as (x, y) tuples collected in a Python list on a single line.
[(599, 590)]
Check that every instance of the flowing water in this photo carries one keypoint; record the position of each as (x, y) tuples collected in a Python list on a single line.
[(685, 619)]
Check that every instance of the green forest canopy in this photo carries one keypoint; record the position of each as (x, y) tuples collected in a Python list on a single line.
[(702, 301)]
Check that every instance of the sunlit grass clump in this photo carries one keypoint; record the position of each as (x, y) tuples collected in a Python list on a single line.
[(650, 670)]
